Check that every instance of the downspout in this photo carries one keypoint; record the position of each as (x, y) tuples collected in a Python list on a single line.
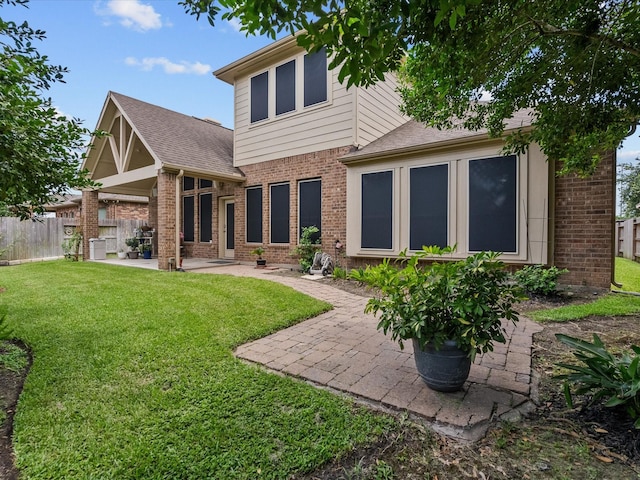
[(177, 242)]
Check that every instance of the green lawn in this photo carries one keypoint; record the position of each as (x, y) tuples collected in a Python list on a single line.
[(134, 377), (627, 273)]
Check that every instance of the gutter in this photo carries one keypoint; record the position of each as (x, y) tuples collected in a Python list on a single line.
[(177, 235)]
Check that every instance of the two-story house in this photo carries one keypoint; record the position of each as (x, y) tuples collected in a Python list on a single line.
[(306, 150)]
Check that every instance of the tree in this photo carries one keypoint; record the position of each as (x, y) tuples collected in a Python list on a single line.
[(629, 189), (40, 150), (575, 63)]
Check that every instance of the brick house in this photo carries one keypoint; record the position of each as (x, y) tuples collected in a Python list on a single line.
[(110, 207), (307, 151)]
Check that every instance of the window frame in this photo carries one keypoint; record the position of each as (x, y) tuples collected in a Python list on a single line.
[(192, 238), (300, 225), (201, 217), (247, 212), (286, 233), (532, 232), (299, 83), (393, 214)]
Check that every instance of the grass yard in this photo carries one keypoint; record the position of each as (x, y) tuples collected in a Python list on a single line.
[(627, 273), (133, 377)]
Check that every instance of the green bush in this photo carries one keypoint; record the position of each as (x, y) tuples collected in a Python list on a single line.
[(339, 273), (613, 379), (307, 247), (538, 279)]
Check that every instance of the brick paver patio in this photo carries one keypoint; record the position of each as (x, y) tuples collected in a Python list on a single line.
[(342, 350)]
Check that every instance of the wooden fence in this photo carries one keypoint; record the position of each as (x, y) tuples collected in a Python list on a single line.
[(628, 238), (29, 240)]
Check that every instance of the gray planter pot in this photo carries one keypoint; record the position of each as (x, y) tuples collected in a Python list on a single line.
[(443, 370)]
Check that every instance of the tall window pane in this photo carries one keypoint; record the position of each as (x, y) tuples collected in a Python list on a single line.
[(206, 213), (280, 213), (315, 77), (377, 210), (428, 206), (493, 204), (310, 206), (260, 97), (254, 215), (286, 87), (188, 226), (188, 183)]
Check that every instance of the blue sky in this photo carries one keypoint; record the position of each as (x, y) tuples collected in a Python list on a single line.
[(150, 50)]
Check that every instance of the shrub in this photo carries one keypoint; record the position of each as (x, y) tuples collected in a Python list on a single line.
[(71, 246), (307, 247), (613, 379), (538, 279), (339, 273)]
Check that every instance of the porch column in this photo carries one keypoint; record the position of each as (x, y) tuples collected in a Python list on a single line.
[(166, 222), (89, 220)]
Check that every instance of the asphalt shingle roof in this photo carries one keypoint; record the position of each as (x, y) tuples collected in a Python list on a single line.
[(180, 140), (415, 135)]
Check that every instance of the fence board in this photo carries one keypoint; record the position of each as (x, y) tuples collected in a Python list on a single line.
[(28, 240)]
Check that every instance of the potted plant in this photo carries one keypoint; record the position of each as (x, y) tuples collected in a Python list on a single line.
[(122, 254), (146, 250), (450, 310), (132, 243), (260, 262)]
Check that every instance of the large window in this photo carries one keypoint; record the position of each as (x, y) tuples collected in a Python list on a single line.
[(188, 215), (286, 87), (279, 213), (310, 206), (377, 210), (260, 97), (315, 77), (428, 206), (297, 84), (188, 183), (254, 215), (478, 203), (493, 204), (206, 214)]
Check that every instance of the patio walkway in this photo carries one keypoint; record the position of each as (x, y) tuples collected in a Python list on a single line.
[(341, 350)]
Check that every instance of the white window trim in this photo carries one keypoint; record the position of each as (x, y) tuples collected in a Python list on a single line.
[(529, 190), (395, 213), (299, 87)]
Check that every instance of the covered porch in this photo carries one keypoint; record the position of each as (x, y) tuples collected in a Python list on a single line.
[(183, 164)]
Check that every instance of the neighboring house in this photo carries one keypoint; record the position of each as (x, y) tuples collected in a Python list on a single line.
[(111, 207), (307, 151)]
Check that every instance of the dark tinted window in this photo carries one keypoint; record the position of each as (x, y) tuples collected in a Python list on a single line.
[(286, 87), (260, 97), (315, 77), (280, 213), (188, 183), (205, 183), (310, 199), (377, 210), (493, 204), (188, 218), (428, 206), (206, 212), (254, 215)]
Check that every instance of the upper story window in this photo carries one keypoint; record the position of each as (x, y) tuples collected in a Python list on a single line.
[(289, 87)]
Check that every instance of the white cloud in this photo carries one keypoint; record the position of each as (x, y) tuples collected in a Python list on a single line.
[(132, 14), (625, 155), (149, 63)]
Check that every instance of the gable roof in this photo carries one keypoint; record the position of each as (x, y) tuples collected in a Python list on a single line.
[(145, 138), (414, 136), (179, 140)]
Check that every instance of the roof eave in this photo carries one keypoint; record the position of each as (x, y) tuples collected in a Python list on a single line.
[(201, 173)]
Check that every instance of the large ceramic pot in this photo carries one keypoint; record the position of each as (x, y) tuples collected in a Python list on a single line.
[(443, 370)]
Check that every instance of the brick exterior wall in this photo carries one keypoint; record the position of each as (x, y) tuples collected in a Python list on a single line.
[(71, 211), (323, 165), (584, 226), (125, 210), (89, 220)]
